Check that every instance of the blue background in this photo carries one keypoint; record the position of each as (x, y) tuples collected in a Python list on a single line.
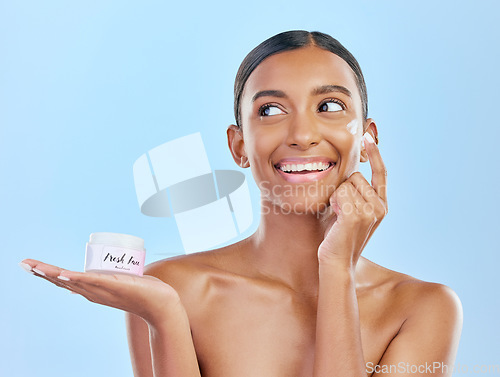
[(86, 87)]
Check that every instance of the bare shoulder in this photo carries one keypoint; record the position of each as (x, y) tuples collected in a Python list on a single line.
[(178, 271), (175, 269), (425, 317), (434, 303), (418, 298), (191, 275)]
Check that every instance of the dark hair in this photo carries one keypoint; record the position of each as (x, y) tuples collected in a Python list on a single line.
[(292, 40)]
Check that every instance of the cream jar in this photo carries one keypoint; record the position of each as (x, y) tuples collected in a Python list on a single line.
[(115, 253)]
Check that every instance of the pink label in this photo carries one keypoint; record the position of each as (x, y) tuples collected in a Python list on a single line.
[(114, 259)]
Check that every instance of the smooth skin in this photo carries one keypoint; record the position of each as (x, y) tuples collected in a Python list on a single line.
[(296, 298)]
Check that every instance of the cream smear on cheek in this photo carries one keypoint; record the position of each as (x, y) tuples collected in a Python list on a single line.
[(352, 126)]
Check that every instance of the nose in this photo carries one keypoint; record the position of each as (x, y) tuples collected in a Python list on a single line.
[(303, 132)]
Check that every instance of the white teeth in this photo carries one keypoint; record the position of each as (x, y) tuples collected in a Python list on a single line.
[(301, 167)]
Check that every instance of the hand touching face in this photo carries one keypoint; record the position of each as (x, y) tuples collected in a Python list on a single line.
[(359, 209)]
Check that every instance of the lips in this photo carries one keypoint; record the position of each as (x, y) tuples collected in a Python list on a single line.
[(297, 170)]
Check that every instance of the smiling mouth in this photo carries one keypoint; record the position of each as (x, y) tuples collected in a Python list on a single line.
[(303, 169)]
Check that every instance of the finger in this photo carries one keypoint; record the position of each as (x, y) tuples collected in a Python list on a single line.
[(58, 281), (68, 285), (101, 288), (377, 205), (26, 267), (379, 171), (55, 275), (374, 206), (111, 282), (40, 268), (50, 272), (91, 292), (349, 201), (73, 288), (355, 197), (104, 289)]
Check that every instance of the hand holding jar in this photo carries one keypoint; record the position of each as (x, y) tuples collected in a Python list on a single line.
[(109, 280)]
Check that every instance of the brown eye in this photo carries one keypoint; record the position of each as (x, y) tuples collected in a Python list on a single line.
[(331, 106), (269, 110)]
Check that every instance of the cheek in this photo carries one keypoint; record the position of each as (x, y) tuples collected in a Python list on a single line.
[(353, 131), (352, 147), (345, 137), (353, 127), (260, 144), (342, 134)]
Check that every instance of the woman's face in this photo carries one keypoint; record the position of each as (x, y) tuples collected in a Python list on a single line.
[(302, 126)]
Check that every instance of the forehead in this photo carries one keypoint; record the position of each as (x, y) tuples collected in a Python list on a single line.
[(299, 70)]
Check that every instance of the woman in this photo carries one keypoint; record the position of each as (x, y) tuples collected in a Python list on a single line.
[(296, 298)]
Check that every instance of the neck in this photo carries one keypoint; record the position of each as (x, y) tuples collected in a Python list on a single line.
[(285, 247)]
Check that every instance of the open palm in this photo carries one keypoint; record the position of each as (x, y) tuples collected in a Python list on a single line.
[(145, 296)]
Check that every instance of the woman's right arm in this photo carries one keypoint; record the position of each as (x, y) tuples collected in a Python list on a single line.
[(158, 326), (162, 349), (138, 344)]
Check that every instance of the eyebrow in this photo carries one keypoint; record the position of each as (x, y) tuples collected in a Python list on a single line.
[(269, 93), (324, 89)]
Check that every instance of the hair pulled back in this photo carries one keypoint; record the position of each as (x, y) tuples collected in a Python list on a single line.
[(292, 40)]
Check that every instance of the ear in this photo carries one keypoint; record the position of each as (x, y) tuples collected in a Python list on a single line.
[(371, 128), (237, 146)]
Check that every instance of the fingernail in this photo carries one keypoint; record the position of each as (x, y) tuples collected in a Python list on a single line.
[(26, 267), (39, 272), (369, 137), (65, 278), (73, 293)]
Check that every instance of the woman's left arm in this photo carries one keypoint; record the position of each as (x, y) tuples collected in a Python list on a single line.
[(338, 350), (430, 334)]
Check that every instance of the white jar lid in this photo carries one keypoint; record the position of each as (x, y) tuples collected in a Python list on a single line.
[(117, 239)]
